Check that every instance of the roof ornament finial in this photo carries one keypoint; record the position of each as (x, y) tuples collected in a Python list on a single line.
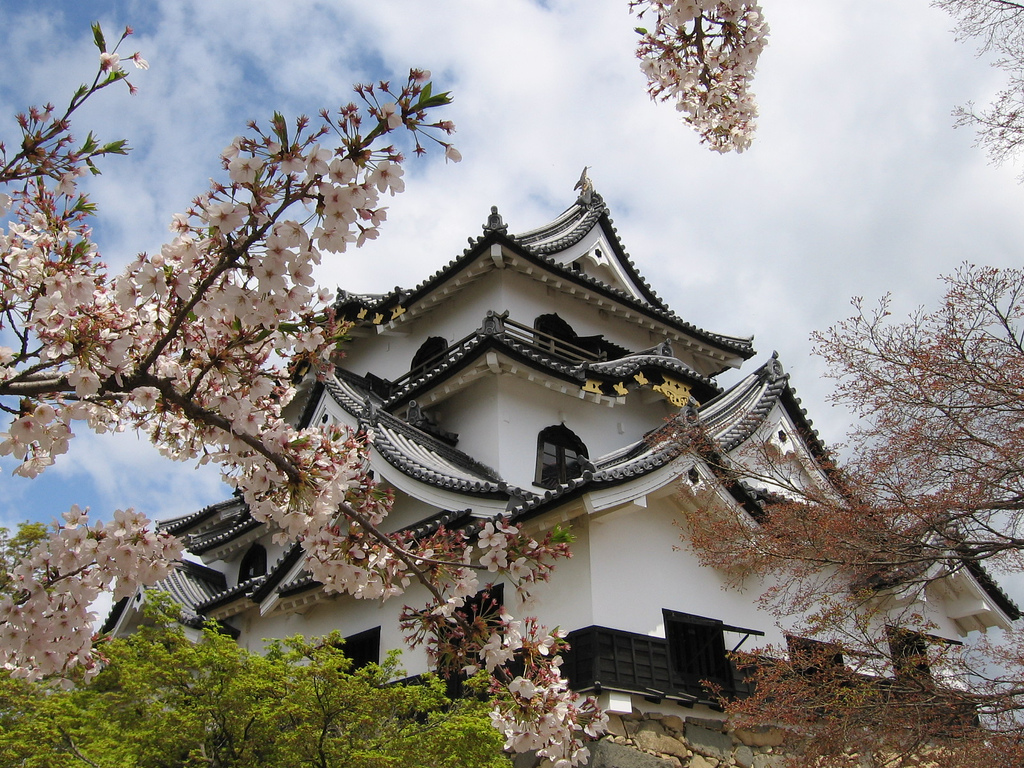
[(585, 186), (495, 223)]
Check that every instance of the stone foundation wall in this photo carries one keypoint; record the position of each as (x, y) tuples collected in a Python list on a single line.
[(668, 741)]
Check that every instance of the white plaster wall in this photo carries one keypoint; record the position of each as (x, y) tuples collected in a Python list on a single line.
[(564, 602), (474, 415), (229, 567), (389, 354), (499, 417), (638, 569), (407, 511), (567, 600), (342, 614), (498, 420)]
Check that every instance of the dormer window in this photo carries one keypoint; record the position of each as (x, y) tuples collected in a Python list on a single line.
[(561, 456), (253, 564), (429, 352)]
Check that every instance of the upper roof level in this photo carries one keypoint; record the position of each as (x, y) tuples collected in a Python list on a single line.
[(576, 264)]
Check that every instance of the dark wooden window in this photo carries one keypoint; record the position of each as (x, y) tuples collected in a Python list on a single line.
[(561, 456), (253, 564), (363, 648), (485, 605), (429, 352), (909, 651), (814, 657), (553, 325), (697, 649)]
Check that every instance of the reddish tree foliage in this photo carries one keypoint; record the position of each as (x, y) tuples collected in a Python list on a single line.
[(934, 486)]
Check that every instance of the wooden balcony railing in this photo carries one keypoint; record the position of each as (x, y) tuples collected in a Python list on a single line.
[(610, 659)]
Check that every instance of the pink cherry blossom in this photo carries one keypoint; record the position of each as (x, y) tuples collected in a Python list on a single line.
[(185, 346)]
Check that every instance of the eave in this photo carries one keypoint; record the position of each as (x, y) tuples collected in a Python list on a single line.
[(497, 251), (604, 381)]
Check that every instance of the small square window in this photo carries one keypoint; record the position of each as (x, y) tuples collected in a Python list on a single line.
[(363, 648), (909, 651)]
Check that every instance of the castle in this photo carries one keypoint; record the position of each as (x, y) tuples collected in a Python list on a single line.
[(532, 378)]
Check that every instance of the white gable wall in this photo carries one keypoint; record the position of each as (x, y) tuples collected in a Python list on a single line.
[(499, 417)]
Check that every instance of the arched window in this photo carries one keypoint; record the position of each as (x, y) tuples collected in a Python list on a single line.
[(561, 456), (253, 564), (429, 351)]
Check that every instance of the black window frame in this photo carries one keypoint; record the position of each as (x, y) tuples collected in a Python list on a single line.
[(908, 650), (430, 352), (697, 650), (253, 563), (362, 648), (568, 456), (814, 658)]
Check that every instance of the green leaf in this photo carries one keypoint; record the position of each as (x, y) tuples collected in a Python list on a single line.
[(88, 146), (119, 147), (434, 101), (560, 535), (97, 36)]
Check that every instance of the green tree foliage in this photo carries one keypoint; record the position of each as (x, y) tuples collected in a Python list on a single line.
[(14, 548), (163, 701)]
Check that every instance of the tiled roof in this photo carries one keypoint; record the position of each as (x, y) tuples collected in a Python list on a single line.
[(533, 246), (572, 225), (256, 588), (992, 589), (204, 542), (653, 451), (190, 585), (633, 364), (736, 414), (473, 347), (729, 419), (426, 458), (179, 525)]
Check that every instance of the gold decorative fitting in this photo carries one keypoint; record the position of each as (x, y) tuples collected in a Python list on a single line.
[(621, 390), (641, 379), (593, 386), (397, 311), (674, 391), (361, 314), (378, 318)]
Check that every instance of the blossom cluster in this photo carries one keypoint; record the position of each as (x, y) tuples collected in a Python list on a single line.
[(45, 621), (467, 630), (536, 710), (702, 54), (188, 345)]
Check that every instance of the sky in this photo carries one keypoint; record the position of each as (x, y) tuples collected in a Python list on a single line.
[(856, 185)]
